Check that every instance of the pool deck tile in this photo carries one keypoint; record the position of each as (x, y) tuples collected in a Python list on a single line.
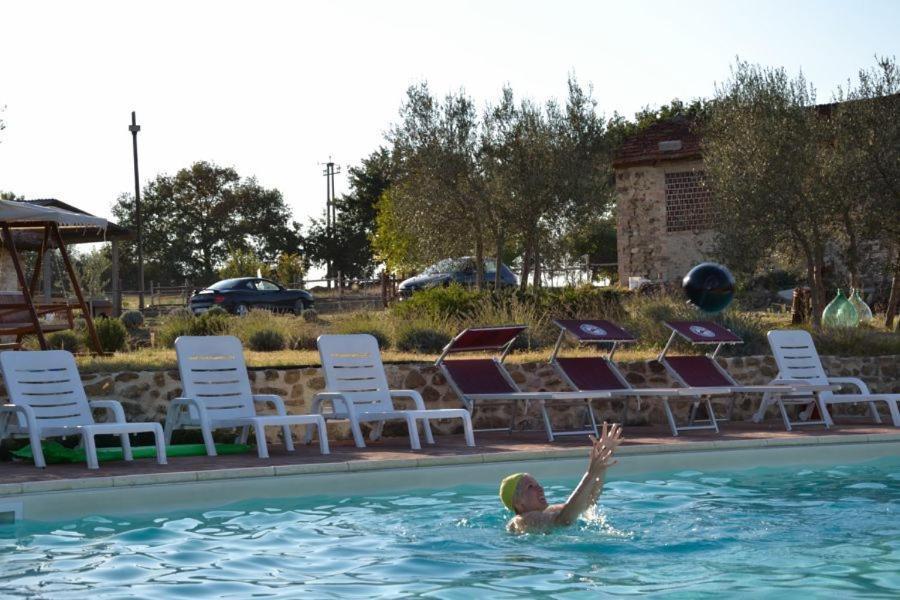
[(22, 477)]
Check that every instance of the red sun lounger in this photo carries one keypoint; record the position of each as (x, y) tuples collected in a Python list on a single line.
[(480, 380), (704, 373), (599, 373)]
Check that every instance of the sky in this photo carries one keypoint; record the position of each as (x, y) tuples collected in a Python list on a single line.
[(274, 89)]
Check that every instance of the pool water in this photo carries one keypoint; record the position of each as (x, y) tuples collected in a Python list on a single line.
[(819, 532)]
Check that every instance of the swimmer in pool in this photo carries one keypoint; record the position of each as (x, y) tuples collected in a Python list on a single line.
[(522, 494)]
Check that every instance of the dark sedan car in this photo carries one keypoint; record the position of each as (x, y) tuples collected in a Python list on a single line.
[(455, 270), (239, 295)]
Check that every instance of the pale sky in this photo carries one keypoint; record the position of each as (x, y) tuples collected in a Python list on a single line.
[(273, 88)]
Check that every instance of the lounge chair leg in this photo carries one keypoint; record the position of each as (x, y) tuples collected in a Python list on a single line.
[(784, 415), (208, 441), (375, 432), (512, 420), (895, 412), (90, 450), (590, 411), (712, 415), (693, 413), (171, 422), (670, 417), (426, 427), (262, 448), (36, 450), (547, 425), (357, 434), (323, 435), (826, 416), (245, 434), (288, 438), (468, 431), (126, 447), (160, 445), (874, 411), (413, 432)]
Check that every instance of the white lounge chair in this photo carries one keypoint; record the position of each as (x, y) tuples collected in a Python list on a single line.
[(356, 389), (798, 363), (47, 399), (217, 395)]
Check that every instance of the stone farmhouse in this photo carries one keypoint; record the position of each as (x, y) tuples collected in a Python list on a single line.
[(664, 211)]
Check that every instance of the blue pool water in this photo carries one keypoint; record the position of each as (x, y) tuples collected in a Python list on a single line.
[(815, 532)]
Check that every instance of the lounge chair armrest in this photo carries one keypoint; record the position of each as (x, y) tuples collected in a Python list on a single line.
[(7, 410), (415, 396), (272, 399), (189, 403), (332, 397), (113, 408), (854, 381)]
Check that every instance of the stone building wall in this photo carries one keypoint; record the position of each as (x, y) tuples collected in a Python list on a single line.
[(645, 246), (145, 395)]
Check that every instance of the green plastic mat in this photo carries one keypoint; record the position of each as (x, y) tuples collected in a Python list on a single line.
[(54, 452)]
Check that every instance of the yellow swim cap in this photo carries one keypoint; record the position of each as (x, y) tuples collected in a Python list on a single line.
[(508, 489)]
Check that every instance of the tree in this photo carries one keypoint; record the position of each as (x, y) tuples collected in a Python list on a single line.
[(761, 151), (290, 269), (243, 263), (349, 247), (192, 219), (866, 132), (93, 269)]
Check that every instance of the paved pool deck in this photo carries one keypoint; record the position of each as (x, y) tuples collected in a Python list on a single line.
[(19, 476)]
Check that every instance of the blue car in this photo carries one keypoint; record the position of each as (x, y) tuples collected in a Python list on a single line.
[(239, 295), (456, 270)]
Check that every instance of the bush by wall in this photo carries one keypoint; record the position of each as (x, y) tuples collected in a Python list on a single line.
[(112, 335), (420, 339), (132, 319), (266, 340), (64, 340)]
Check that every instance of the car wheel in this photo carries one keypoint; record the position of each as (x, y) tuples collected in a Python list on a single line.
[(241, 310), (299, 307)]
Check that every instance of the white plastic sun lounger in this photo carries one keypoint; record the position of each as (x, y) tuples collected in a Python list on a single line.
[(798, 363), (217, 395), (356, 389), (47, 399)]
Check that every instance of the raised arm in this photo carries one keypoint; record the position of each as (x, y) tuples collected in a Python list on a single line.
[(591, 484)]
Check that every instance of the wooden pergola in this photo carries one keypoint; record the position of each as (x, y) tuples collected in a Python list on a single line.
[(28, 221)]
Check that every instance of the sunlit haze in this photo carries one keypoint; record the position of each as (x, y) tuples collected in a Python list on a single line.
[(275, 88)]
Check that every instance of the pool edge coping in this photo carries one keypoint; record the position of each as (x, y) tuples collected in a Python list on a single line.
[(12, 490)]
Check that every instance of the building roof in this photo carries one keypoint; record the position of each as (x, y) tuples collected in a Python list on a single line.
[(673, 139), (114, 231)]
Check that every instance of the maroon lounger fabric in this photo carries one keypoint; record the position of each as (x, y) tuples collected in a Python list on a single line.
[(588, 331), (698, 371), (489, 338), (478, 376), (704, 332), (590, 374)]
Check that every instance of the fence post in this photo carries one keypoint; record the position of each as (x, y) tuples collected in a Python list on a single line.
[(384, 288)]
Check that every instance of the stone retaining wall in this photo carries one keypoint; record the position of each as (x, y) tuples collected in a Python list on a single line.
[(145, 395)]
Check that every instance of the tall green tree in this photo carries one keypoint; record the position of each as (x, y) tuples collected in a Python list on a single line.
[(762, 149), (349, 245), (192, 219)]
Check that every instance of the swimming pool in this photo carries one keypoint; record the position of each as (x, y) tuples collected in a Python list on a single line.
[(812, 530)]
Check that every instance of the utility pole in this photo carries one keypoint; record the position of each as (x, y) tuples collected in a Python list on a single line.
[(134, 128), (330, 213)]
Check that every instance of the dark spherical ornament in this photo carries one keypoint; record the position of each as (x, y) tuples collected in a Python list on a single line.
[(709, 287)]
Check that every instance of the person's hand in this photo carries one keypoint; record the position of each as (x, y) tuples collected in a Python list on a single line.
[(603, 449)]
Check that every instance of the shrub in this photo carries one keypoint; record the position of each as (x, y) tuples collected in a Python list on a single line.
[(450, 302), (211, 323), (64, 340), (303, 339), (366, 322), (266, 340), (217, 310), (310, 315), (174, 326), (862, 341), (112, 335), (420, 339), (180, 311), (132, 319)]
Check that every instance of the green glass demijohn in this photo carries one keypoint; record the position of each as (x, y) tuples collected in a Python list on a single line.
[(862, 309), (840, 312)]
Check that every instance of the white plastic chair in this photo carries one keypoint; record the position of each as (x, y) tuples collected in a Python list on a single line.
[(217, 395), (357, 390), (47, 399), (799, 363)]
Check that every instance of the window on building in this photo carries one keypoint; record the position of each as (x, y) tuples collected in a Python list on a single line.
[(688, 202)]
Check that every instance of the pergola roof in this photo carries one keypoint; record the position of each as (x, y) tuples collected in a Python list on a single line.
[(75, 225)]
